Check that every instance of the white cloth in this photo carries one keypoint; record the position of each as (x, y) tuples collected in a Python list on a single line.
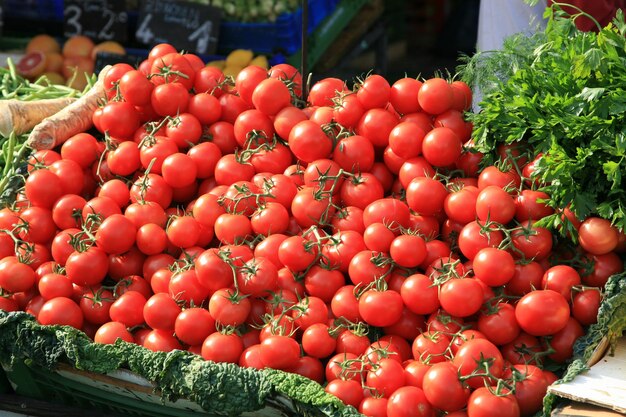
[(499, 19)]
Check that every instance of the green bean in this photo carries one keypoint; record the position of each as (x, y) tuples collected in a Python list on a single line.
[(9, 153)]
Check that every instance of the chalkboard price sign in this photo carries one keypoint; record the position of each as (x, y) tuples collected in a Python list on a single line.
[(188, 26), (102, 20)]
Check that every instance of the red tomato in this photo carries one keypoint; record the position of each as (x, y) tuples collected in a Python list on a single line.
[(161, 341), (61, 310), (229, 308), (430, 347), (563, 341), (16, 276), (348, 391), (390, 211), (184, 129), (475, 236), (542, 312), (477, 356), (376, 125), (219, 347), (380, 308), (386, 377), (248, 79), (408, 251), (585, 306), (109, 332), (317, 341), (120, 119), (461, 297), (116, 234), (494, 267), (309, 142), (443, 389), (270, 96), (324, 90), (373, 406), (603, 267), (279, 352), (169, 99), (530, 388), (348, 111), (43, 188), (435, 96), (597, 236), (441, 147), (161, 311), (495, 204), (403, 95), (172, 68), (88, 267), (128, 309), (374, 92), (209, 80), (483, 401), (499, 326), (561, 278), (426, 196)]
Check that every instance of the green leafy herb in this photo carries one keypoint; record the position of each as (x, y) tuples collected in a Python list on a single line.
[(562, 92)]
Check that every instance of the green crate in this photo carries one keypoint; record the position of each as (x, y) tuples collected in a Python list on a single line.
[(13, 44), (122, 393), (328, 31)]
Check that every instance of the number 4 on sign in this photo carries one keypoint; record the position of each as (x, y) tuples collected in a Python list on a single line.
[(202, 36), (144, 34)]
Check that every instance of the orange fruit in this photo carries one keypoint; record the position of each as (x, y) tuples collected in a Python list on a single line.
[(43, 43), (78, 45), (54, 62), (76, 63), (31, 65), (110, 47)]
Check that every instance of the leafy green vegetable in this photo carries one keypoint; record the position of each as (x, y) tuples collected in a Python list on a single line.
[(220, 389), (563, 93)]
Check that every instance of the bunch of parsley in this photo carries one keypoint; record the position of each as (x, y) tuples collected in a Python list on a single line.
[(561, 93)]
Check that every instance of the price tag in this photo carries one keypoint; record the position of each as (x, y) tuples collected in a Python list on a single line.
[(187, 26), (101, 20)]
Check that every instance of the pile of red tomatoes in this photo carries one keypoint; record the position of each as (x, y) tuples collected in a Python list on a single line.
[(354, 239)]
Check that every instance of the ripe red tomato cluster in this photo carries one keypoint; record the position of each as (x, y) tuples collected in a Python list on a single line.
[(354, 240)]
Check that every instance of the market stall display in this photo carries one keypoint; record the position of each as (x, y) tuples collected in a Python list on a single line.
[(205, 243)]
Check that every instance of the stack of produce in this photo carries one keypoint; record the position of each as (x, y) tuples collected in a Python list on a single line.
[(253, 10), (71, 63), (355, 240)]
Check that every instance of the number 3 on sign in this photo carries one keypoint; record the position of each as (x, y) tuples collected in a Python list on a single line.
[(72, 14), (202, 36), (144, 33)]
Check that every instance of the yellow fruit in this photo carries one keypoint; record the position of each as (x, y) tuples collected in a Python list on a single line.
[(231, 70), (110, 47), (54, 78), (261, 61), (217, 64), (239, 58)]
